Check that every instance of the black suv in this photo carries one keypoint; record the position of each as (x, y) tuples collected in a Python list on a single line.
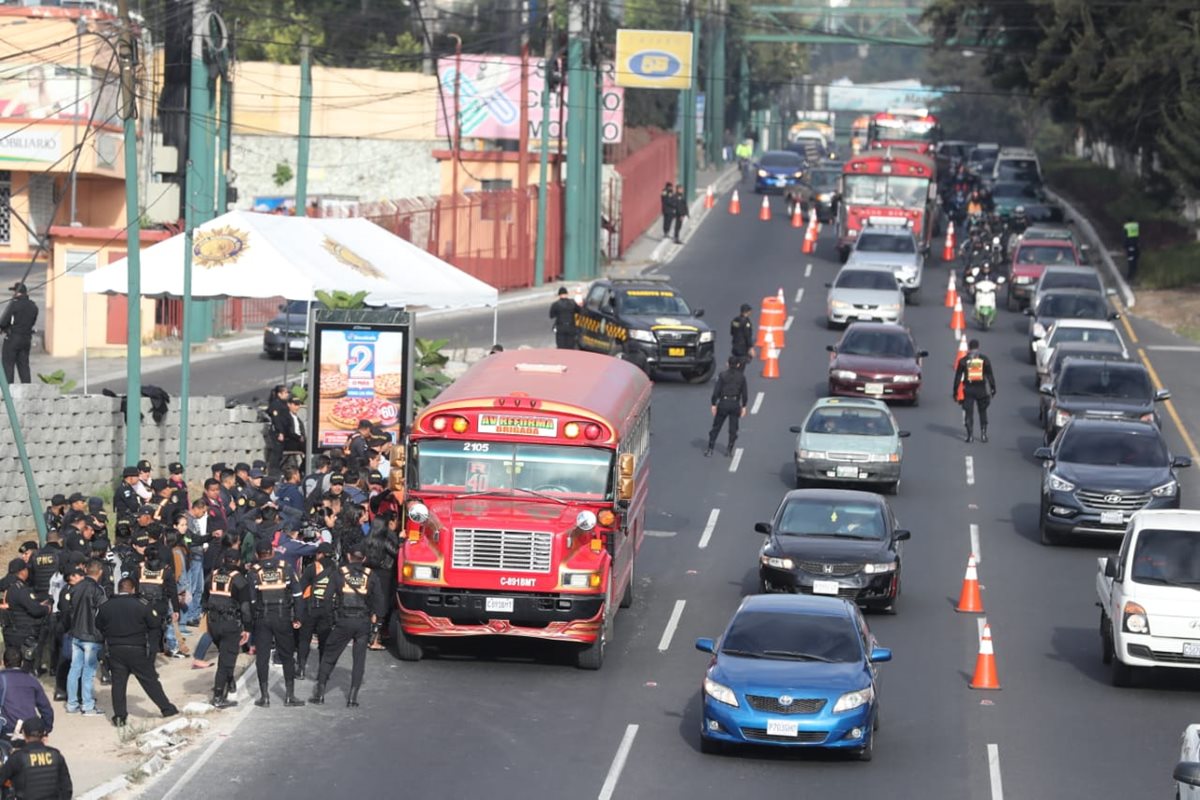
[(1100, 389), (646, 321)]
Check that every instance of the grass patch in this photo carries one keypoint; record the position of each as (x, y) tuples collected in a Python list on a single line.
[(1190, 331), (1170, 267)]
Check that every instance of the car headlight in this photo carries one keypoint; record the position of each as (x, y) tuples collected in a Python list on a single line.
[(720, 692), (839, 304), (852, 700), (852, 233), (798, 175), (1057, 484), (843, 375), (1146, 418), (1168, 489), (817, 454), (878, 569), (1023, 279), (641, 336), (1134, 619), (1061, 418), (706, 336), (884, 458), (907, 378), (762, 173), (777, 562), (825, 197), (1039, 330), (908, 272), (273, 330), (890, 307)]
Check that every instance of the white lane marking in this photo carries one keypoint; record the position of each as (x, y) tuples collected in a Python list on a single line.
[(787, 323), (618, 762), (737, 459), (708, 528), (975, 543), (758, 398), (660, 534), (807, 270), (994, 772), (799, 295), (970, 471), (672, 624)]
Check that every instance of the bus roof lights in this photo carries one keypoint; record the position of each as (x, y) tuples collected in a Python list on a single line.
[(571, 430), (542, 368), (439, 424), (460, 425), (593, 431)]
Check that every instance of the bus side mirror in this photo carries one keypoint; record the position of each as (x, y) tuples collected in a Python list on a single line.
[(625, 468)]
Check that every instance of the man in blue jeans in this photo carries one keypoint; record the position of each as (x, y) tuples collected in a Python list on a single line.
[(86, 640), (190, 527)]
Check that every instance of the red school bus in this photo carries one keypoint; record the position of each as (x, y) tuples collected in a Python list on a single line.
[(904, 128), (887, 184), (527, 482)]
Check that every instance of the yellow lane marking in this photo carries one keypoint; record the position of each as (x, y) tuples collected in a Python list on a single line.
[(1125, 320), (1187, 439)]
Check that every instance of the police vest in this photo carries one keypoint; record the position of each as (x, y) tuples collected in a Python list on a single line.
[(45, 564), (151, 585), (1131, 230), (974, 369), (220, 594), (317, 592), (354, 590), (270, 579)]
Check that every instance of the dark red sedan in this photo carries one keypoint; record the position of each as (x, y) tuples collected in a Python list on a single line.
[(875, 359)]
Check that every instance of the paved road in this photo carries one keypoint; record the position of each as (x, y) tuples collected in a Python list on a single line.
[(521, 723)]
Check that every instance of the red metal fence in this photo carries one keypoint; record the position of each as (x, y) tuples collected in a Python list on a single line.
[(643, 173)]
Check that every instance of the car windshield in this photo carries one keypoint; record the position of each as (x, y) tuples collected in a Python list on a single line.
[(850, 422), (1045, 254), (865, 279), (652, 302), (1104, 380), (1062, 279), (1066, 351), (904, 129), (1021, 191), (886, 190), (1072, 306), (1167, 557), (814, 517), (1112, 448), (474, 466), (981, 154), (779, 634), (823, 179), (1017, 169), (877, 343), (295, 307), (886, 243), (781, 160), (1089, 335)]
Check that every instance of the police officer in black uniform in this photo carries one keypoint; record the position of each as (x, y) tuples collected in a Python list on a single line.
[(275, 622), (44, 565), (16, 324), (280, 420), (741, 331), (25, 615), (37, 771), (129, 626), (316, 606), (158, 587), (974, 377), (126, 501), (729, 398), (227, 603), (562, 311), (359, 601), (667, 200)]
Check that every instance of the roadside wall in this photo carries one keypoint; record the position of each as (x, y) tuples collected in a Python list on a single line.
[(77, 442)]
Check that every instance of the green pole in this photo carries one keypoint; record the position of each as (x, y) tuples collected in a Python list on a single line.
[(305, 129), (133, 344), (594, 166), (689, 119), (743, 97), (226, 131), (35, 502), (716, 95), (577, 152), (539, 258), (711, 139)]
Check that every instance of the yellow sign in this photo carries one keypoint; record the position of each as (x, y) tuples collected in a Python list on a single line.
[(217, 247), (654, 59)]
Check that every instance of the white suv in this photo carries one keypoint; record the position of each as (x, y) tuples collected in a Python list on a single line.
[(1018, 164)]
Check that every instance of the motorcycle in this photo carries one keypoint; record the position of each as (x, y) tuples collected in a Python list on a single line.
[(985, 300)]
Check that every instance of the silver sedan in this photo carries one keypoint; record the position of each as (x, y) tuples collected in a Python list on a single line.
[(864, 294)]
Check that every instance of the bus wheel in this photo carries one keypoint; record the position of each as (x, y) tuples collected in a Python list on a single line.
[(627, 598), (592, 656), (407, 648)]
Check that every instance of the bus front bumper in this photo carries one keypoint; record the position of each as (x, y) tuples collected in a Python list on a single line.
[(459, 612)]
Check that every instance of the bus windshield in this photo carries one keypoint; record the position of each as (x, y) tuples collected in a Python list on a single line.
[(471, 466), (891, 191), (905, 130)]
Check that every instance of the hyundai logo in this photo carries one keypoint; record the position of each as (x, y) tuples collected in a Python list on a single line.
[(827, 569), (1112, 499), (786, 700)]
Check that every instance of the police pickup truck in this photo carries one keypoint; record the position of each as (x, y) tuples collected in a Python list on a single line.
[(646, 321), (1148, 596)]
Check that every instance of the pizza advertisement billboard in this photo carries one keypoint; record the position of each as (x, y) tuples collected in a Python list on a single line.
[(362, 371)]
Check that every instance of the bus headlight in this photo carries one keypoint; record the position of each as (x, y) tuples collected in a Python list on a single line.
[(581, 580), (585, 520), (418, 513)]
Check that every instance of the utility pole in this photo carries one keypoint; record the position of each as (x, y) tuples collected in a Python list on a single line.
[(127, 50), (743, 117), (198, 204), (226, 133), (687, 145), (716, 90), (523, 144), (539, 261), (81, 27), (305, 129), (578, 44)]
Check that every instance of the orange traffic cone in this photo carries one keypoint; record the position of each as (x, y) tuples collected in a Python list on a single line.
[(985, 665), (951, 292), (815, 224), (962, 350), (810, 241), (969, 600), (958, 322), (948, 249), (764, 211), (770, 358), (797, 216), (709, 200), (735, 205), (779, 298)]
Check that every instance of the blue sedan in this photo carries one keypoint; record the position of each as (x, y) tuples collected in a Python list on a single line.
[(793, 671), (778, 172)]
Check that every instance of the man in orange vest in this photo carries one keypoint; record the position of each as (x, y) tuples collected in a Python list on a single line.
[(976, 384)]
